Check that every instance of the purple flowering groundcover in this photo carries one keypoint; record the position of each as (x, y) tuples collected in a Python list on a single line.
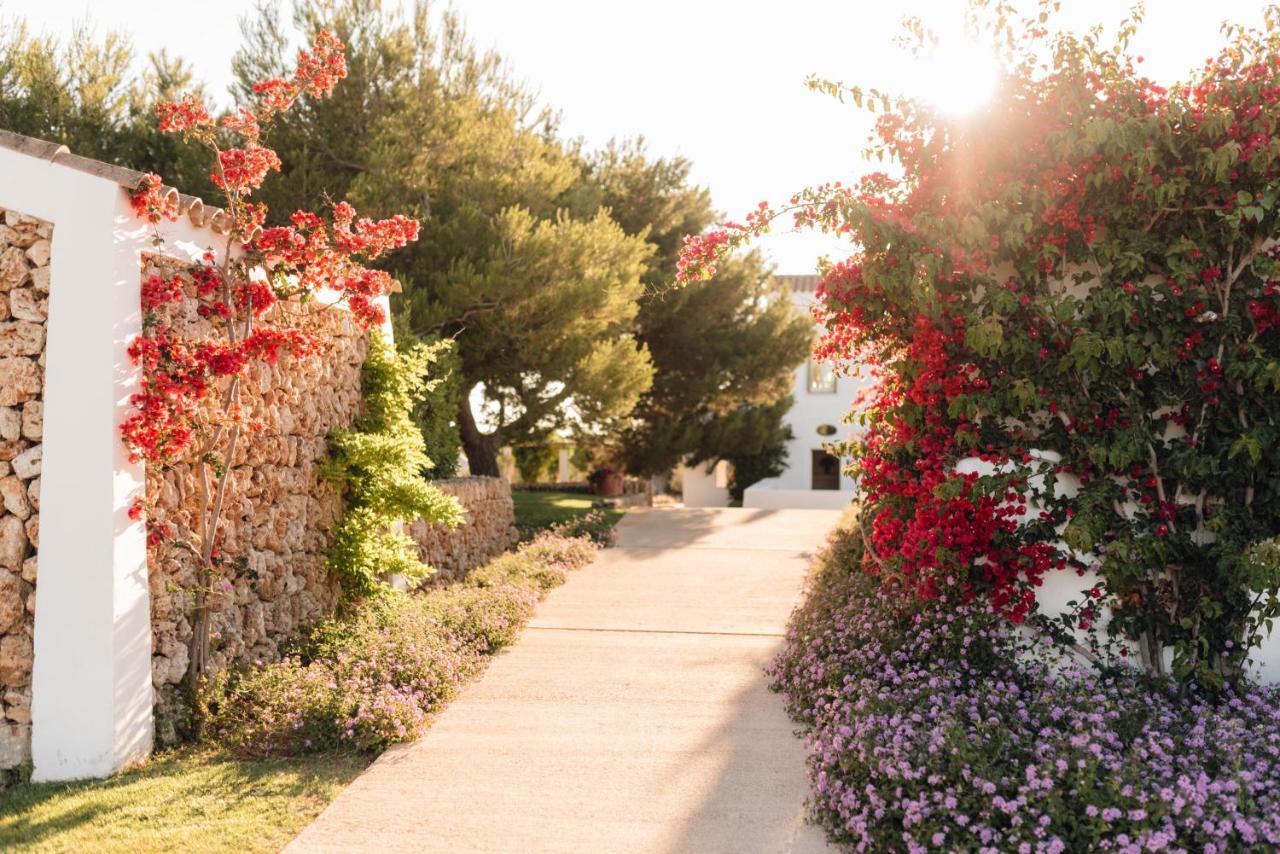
[(928, 730)]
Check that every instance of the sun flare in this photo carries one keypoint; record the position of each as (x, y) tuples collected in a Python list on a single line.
[(957, 77)]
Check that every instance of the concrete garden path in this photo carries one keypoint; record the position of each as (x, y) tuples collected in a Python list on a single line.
[(632, 715)]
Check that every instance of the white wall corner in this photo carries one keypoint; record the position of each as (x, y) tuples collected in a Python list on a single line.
[(92, 695)]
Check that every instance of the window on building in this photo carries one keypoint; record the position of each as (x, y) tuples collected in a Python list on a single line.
[(826, 471), (822, 377)]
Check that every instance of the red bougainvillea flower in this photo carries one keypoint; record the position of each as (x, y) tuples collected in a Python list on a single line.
[(241, 169), (187, 115), (152, 202), (1070, 302)]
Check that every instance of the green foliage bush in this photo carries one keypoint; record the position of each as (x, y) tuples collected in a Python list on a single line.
[(437, 413), (1070, 303), (372, 677), (595, 525), (382, 461), (534, 459)]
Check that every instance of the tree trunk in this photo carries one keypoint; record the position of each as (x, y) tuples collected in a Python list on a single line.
[(481, 448)]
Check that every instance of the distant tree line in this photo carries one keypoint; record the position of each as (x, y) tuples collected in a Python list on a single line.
[(549, 266)]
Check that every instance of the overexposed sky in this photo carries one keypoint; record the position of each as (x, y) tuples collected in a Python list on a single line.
[(717, 81)]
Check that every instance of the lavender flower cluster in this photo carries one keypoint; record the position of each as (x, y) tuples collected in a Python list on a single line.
[(374, 677), (930, 728)]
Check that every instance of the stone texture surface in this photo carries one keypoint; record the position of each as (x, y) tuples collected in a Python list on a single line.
[(25, 244), (488, 531), (279, 513)]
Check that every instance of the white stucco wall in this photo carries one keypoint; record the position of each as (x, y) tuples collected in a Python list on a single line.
[(91, 679), (1059, 588), (768, 495), (703, 486)]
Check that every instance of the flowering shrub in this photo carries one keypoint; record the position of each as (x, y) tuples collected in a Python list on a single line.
[(372, 678), (1078, 288), (189, 408), (927, 731), (595, 524)]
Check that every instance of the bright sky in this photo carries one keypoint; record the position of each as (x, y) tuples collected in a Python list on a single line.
[(718, 81)]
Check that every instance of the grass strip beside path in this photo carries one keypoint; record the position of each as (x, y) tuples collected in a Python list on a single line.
[(193, 800)]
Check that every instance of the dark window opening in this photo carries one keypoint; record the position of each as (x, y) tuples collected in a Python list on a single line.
[(826, 471)]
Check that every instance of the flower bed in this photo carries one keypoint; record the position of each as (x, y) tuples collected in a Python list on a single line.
[(374, 677), (931, 727)]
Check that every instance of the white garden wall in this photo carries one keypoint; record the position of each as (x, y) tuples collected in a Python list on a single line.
[(704, 486), (91, 680)]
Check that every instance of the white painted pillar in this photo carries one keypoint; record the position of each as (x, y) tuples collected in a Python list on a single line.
[(563, 471), (91, 684)]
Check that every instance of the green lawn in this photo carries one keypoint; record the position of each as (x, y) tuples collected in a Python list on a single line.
[(537, 510), (183, 800)]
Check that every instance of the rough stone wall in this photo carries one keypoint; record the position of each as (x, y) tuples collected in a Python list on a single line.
[(488, 531), (279, 513), (24, 297)]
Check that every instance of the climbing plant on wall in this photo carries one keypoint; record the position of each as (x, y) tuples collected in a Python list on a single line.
[(1072, 301), (190, 408), (383, 464)]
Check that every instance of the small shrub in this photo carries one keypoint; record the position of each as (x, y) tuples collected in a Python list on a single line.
[(595, 525), (374, 677), (508, 570), (564, 546), (485, 619), (283, 709)]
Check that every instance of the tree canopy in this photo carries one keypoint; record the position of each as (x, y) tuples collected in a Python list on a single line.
[(549, 266), (539, 298), (722, 348)]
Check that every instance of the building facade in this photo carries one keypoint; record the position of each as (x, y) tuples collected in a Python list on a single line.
[(814, 476)]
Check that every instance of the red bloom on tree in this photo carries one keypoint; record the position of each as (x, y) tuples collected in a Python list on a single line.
[(188, 408)]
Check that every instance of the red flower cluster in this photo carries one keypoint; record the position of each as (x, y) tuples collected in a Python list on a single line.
[(242, 169), (185, 116), (159, 290), (184, 407), (1076, 292), (317, 72), (151, 202), (371, 238), (699, 255), (318, 257)]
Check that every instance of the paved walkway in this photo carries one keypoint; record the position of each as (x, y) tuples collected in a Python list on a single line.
[(631, 716)]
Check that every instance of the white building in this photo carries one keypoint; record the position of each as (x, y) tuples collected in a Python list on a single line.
[(814, 477)]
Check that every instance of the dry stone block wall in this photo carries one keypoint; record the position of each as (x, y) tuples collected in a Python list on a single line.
[(488, 530), (24, 297), (279, 513)]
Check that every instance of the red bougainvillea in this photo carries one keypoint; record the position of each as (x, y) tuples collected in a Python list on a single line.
[(189, 408), (1070, 299)]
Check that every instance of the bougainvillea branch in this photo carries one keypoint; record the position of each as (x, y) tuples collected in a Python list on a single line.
[(1072, 301), (189, 408)]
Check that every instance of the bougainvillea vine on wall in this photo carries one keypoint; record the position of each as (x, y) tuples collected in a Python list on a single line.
[(189, 408), (1071, 299)]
